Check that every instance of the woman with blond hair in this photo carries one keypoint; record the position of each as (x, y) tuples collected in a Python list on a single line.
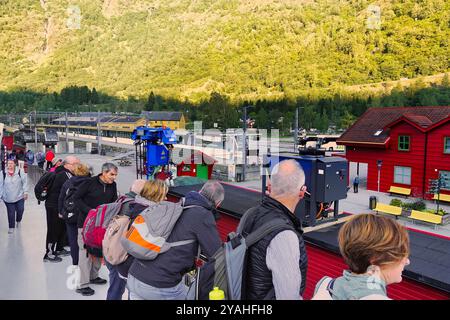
[(376, 250), (68, 210), (152, 193)]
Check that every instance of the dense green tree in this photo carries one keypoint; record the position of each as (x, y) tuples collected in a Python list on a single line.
[(347, 120), (151, 101), (245, 51), (94, 99), (262, 119)]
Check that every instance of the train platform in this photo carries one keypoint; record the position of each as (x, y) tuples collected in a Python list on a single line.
[(23, 274)]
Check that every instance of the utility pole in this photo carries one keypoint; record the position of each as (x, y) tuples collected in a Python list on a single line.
[(296, 131), (67, 133), (35, 131), (244, 143), (99, 139), (35, 140)]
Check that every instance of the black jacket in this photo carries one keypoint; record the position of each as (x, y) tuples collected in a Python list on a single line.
[(257, 277), (72, 182), (92, 193), (197, 223), (62, 175)]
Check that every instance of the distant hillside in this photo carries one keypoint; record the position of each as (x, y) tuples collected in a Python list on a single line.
[(245, 49), (388, 86)]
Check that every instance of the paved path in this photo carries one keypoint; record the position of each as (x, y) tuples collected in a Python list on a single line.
[(23, 274)]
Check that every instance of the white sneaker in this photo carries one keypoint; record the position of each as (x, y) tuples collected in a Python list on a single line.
[(11, 231), (17, 224)]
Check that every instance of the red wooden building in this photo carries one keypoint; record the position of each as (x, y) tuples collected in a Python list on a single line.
[(402, 146)]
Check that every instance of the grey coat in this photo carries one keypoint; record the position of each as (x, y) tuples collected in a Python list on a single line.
[(12, 189)]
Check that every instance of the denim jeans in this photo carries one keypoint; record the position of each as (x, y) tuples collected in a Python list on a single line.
[(15, 212), (116, 283), (72, 235), (141, 291)]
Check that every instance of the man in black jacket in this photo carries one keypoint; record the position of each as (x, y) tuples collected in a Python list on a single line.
[(276, 265), (95, 191), (55, 224), (161, 278)]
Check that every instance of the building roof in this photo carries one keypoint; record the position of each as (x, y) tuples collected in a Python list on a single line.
[(373, 126), (162, 115), (121, 119), (422, 121), (93, 120), (95, 114), (63, 119)]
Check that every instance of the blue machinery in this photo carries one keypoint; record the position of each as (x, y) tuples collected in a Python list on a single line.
[(326, 180), (153, 150)]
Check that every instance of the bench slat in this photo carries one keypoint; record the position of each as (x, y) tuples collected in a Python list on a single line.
[(425, 216), (386, 208), (400, 190), (442, 197)]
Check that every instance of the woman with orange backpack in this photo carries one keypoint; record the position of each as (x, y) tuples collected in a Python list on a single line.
[(151, 193)]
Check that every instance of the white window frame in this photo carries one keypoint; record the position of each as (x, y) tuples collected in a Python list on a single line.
[(448, 180), (402, 174), (446, 141)]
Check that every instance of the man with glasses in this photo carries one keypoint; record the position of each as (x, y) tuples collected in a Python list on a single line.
[(56, 227)]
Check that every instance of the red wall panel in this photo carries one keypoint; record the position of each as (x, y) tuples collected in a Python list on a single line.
[(436, 158)]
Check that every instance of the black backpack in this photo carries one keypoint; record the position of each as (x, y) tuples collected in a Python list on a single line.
[(69, 210), (44, 185)]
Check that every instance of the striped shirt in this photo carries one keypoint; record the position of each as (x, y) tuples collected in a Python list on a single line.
[(282, 257)]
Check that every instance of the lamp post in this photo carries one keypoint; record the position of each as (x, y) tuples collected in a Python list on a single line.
[(99, 134), (379, 164), (67, 132), (296, 130), (244, 142)]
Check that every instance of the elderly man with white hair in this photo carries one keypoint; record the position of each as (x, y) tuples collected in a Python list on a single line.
[(276, 265), (56, 226)]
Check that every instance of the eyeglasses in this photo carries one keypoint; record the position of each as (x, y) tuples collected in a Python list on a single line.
[(303, 188)]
